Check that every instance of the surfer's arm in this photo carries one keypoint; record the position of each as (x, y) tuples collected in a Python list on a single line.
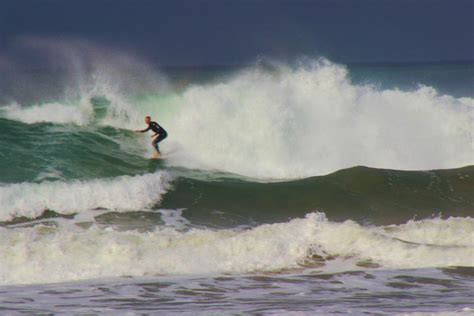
[(143, 130)]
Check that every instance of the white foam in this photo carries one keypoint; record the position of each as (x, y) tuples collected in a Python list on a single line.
[(65, 197), (292, 122), (454, 231), (381, 245), (174, 218), (311, 120), (79, 114), (44, 254)]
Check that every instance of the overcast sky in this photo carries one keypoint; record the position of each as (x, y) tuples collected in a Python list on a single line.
[(203, 32)]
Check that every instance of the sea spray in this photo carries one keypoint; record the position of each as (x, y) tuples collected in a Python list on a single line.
[(312, 120), (290, 122)]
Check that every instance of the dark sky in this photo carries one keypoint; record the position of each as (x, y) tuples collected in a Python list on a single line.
[(196, 32)]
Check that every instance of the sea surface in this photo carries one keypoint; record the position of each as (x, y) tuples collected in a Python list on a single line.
[(285, 189)]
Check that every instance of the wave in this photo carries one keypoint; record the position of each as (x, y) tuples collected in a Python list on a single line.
[(288, 122), (362, 194), (122, 193), (311, 120), (43, 254), (46, 151)]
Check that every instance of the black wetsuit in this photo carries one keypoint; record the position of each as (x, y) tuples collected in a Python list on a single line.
[(162, 134)]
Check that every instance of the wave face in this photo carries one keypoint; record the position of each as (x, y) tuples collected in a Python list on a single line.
[(362, 194), (46, 254), (286, 122), (366, 195)]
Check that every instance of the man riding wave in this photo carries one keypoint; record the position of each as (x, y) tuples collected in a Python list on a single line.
[(160, 134)]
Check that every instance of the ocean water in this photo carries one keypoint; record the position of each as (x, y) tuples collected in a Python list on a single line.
[(303, 188)]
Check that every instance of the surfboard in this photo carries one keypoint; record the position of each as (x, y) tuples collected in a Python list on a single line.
[(164, 155), (155, 157)]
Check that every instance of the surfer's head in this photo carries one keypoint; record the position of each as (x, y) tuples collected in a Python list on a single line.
[(147, 119)]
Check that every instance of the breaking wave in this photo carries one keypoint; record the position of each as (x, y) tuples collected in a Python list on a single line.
[(287, 122), (44, 254), (122, 193)]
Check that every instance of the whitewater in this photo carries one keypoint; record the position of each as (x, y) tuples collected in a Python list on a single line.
[(45, 254), (284, 123)]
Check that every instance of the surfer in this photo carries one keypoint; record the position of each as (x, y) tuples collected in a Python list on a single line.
[(159, 135)]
